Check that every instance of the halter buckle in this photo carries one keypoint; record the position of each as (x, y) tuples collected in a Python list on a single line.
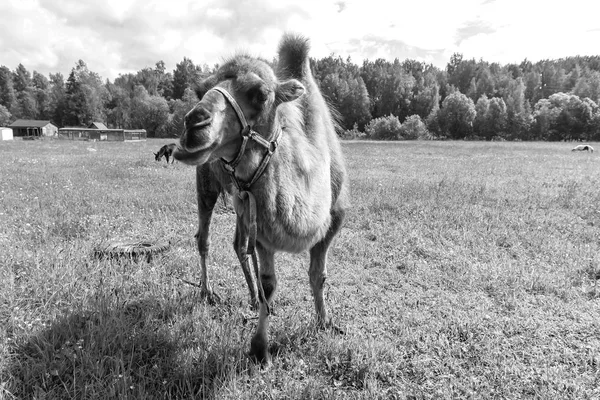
[(273, 146), (228, 167), (247, 132)]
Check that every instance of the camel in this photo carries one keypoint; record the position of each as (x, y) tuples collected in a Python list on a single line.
[(583, 147), (167, 151), (268, 138)]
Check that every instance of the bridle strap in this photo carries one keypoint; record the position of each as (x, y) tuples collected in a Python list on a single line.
[(234, 104)]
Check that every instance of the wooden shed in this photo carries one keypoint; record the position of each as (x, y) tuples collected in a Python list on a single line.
[(97, 125), (31, 128)]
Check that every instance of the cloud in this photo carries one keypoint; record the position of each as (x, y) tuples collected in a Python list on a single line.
[(373, 47), (129, 35), (247, 21), (119, 36), (341, 6), (472, 28)]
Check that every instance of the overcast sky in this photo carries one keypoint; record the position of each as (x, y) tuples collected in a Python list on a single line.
[(118, 36)]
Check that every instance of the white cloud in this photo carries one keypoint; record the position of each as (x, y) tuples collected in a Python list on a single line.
[(533, 30), (119, 36)]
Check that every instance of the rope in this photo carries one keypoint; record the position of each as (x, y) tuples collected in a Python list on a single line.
[(248, 241)]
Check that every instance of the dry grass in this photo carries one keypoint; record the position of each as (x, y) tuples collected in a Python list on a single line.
[(465, 270)]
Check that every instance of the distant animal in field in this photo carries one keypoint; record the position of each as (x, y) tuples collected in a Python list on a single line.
[(268, 138), (166, 151), (583, 147)]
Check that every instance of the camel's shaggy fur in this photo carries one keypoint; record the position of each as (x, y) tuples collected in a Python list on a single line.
[(302, 196)]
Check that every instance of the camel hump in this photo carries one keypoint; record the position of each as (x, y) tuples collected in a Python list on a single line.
[(293, 57)]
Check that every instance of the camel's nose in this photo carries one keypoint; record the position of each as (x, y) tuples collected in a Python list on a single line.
[(198, 117)]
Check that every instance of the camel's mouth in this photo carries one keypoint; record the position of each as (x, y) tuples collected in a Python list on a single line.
[(200, 125), (196, 143), (193, 157)]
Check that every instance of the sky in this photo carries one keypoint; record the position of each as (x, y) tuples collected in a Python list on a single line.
[(116, 37)]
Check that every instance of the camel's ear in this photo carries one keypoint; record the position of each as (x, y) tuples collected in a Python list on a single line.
[(289, 91)]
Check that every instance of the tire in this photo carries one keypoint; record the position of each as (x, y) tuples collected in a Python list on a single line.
[(130, 249)]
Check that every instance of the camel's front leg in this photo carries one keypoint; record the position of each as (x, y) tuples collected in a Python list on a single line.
[(207, 195), (259, 346), (203, 242)]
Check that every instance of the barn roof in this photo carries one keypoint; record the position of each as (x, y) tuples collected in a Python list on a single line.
[(97, 125), (29, 123)]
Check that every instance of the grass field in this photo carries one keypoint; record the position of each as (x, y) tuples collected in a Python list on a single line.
[(464, 270)]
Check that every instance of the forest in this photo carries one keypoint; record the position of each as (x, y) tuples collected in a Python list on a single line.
[(551, 100)]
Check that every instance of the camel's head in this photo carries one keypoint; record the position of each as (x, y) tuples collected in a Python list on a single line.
[(213, 127)]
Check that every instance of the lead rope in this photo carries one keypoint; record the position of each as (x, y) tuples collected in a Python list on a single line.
[(248, 235), (248, 239)]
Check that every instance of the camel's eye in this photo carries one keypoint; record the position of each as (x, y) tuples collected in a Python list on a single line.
[(258, 94), (202, 87)]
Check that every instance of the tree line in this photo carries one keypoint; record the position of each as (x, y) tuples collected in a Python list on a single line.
[(381, 99)]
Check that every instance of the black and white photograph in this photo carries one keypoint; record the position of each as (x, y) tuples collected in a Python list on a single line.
[(281, 199)]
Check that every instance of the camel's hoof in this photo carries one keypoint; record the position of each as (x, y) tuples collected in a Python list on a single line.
[(259, 351), (211, 297), (254, 304), (330, 326), (336, 329)]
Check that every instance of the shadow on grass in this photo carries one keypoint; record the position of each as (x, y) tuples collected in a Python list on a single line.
[(145, 349)]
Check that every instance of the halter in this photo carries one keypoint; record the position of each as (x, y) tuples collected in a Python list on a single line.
[(248, 234), (247, 133)]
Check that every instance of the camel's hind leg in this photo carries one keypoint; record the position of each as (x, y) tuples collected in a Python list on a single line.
[(207, 192), (259, 346), (318, 267)]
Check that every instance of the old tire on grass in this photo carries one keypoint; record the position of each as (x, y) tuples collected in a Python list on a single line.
[(130, 249)]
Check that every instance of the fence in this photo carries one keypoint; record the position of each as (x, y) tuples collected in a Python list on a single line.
[(102, 135)]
